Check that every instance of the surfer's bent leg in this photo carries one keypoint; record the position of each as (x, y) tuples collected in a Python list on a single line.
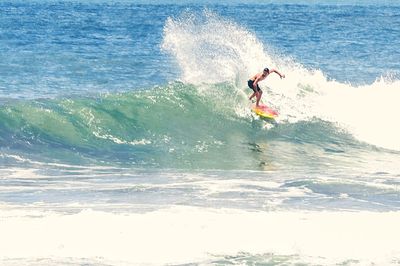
[(259, 94)]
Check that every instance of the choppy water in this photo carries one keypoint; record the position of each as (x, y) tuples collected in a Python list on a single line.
[(126, 135)]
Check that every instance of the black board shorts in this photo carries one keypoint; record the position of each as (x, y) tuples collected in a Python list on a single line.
[(250, 84)]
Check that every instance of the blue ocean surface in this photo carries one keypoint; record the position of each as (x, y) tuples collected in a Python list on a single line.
[(127, 137)]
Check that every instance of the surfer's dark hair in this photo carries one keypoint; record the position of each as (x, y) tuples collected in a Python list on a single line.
[(266, 69)]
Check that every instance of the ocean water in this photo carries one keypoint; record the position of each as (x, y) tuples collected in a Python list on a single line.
[(126, 136)]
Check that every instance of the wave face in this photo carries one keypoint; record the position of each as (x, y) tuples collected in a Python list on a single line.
[(179, 126), (175, 122)]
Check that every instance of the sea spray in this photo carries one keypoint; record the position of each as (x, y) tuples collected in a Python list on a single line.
[(211, 49)]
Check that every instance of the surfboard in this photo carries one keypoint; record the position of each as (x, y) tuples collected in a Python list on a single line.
[(264, 111)]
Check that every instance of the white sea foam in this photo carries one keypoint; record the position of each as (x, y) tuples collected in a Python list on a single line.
[(188, 234), (120, 141), (369, 112)]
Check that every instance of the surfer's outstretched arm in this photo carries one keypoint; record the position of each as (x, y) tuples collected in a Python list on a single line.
[(277, 72)]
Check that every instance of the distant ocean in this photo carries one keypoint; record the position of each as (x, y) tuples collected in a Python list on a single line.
[(126, 136)]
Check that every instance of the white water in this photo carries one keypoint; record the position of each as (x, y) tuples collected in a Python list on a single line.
[(189, 234)]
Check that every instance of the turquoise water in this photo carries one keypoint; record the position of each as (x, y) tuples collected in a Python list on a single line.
[(126, 127)]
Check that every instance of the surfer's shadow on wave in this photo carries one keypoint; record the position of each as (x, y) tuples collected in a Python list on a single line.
[(260, 154), (254, 147)]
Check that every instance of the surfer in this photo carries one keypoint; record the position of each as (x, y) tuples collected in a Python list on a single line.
[(253, 83)]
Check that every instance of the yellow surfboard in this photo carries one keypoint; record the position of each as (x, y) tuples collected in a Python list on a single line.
[(264, 111)]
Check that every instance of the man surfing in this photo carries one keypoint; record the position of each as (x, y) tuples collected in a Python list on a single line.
[(253, 83)]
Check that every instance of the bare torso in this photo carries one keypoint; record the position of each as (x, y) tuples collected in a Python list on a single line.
[(259, 76)]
